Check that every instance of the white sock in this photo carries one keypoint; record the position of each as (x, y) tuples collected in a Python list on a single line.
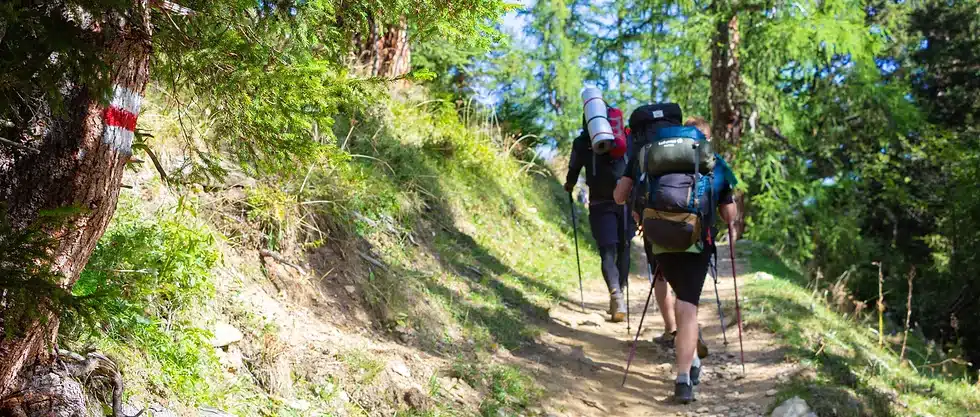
[(683, 379), (697, 361)]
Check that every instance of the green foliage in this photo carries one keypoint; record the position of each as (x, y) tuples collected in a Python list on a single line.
[(363, 366), (946, 79), (151, 272), (850, 375), (508, 389), (274, 213), (544, 78)]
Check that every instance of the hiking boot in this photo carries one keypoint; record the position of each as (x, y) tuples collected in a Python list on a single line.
[(617, 307), (702, 347), (666, 339), (683, 393), (695, 375)]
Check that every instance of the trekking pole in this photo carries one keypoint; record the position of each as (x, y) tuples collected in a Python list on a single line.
[(653, 282), (639, 327), (581, 292), (626, 248), (721, 313), (738, 308)]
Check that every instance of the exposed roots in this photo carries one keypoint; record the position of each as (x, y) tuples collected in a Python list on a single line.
[(58, 390)]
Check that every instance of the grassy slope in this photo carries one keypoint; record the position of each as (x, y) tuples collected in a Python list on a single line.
[(848, 374), (477, 245)]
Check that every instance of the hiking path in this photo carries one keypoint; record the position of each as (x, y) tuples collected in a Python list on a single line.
[(580, 357)]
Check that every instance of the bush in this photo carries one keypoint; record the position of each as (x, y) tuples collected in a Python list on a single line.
[(149, 272)]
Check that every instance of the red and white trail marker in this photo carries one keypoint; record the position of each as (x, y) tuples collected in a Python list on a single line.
[(120, 119)]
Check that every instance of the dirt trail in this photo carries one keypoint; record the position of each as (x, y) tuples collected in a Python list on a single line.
[(580, 358)]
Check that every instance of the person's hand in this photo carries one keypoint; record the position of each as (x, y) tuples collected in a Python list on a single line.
[(622, 191), (569, 187)]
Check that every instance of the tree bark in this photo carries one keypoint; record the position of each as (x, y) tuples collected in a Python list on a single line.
[(384, 50), (726, 90), (73, 158)]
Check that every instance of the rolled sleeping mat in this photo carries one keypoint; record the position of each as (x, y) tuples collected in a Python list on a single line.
[(600, 131)]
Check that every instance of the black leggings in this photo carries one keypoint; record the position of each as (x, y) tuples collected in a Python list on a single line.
[(615, 265)]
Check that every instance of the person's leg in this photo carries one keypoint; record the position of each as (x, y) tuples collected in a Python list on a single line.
[(662, 292), (686, 341), (666, 302), (686, 273), (610, 272), (603, 219)]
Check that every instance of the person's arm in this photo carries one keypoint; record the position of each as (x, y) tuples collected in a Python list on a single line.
[(729, 212), (728, 209), (575, 164), (622, 191)]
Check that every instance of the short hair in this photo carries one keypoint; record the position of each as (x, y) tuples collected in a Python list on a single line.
[(699, 123)]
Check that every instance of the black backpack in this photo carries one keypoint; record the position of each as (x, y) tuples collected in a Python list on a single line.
[(677, 179), (646, 119), (674, 192), (643, 125)]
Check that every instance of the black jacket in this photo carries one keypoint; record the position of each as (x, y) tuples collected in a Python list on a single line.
[(601, 171)]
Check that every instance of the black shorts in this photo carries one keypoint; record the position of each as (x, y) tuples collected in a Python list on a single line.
[(686, 273)]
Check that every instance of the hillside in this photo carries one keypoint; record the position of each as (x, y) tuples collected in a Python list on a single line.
[(418, 269), (398, 264)]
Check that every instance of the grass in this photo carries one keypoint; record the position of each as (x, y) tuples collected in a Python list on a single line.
[(363, 366), (508, 388), (847, 372), (475, 247)]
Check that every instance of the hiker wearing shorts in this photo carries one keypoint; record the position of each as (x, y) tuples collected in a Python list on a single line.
[(611, 227), (685, 272)]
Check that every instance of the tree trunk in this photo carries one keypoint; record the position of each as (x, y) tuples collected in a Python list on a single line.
[(384, 51), (72, 158), (726, 90)]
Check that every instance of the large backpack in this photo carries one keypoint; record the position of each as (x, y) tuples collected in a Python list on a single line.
[(676, 186), (646, 119)]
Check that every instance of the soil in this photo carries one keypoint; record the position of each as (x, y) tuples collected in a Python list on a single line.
[(580, 358)]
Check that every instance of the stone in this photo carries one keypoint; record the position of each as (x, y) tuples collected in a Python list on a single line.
[(720, 409), (130, 409), (344, 397), (416, 400), (772, 392), (764, 276), (212, 412), (400, 368), (157, 410), (793, 407), (702, 410), (301, 405), (232, 360), (225, 334), (350, 289)]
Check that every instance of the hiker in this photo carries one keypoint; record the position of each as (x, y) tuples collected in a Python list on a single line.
[(669, 115), (611, 227), (681, 184)]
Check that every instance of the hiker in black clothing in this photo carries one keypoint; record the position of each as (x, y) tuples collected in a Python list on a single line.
[(684, 269), (611, 227)]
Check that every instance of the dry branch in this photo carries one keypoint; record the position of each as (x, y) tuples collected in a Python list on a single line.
[(908, 316)]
